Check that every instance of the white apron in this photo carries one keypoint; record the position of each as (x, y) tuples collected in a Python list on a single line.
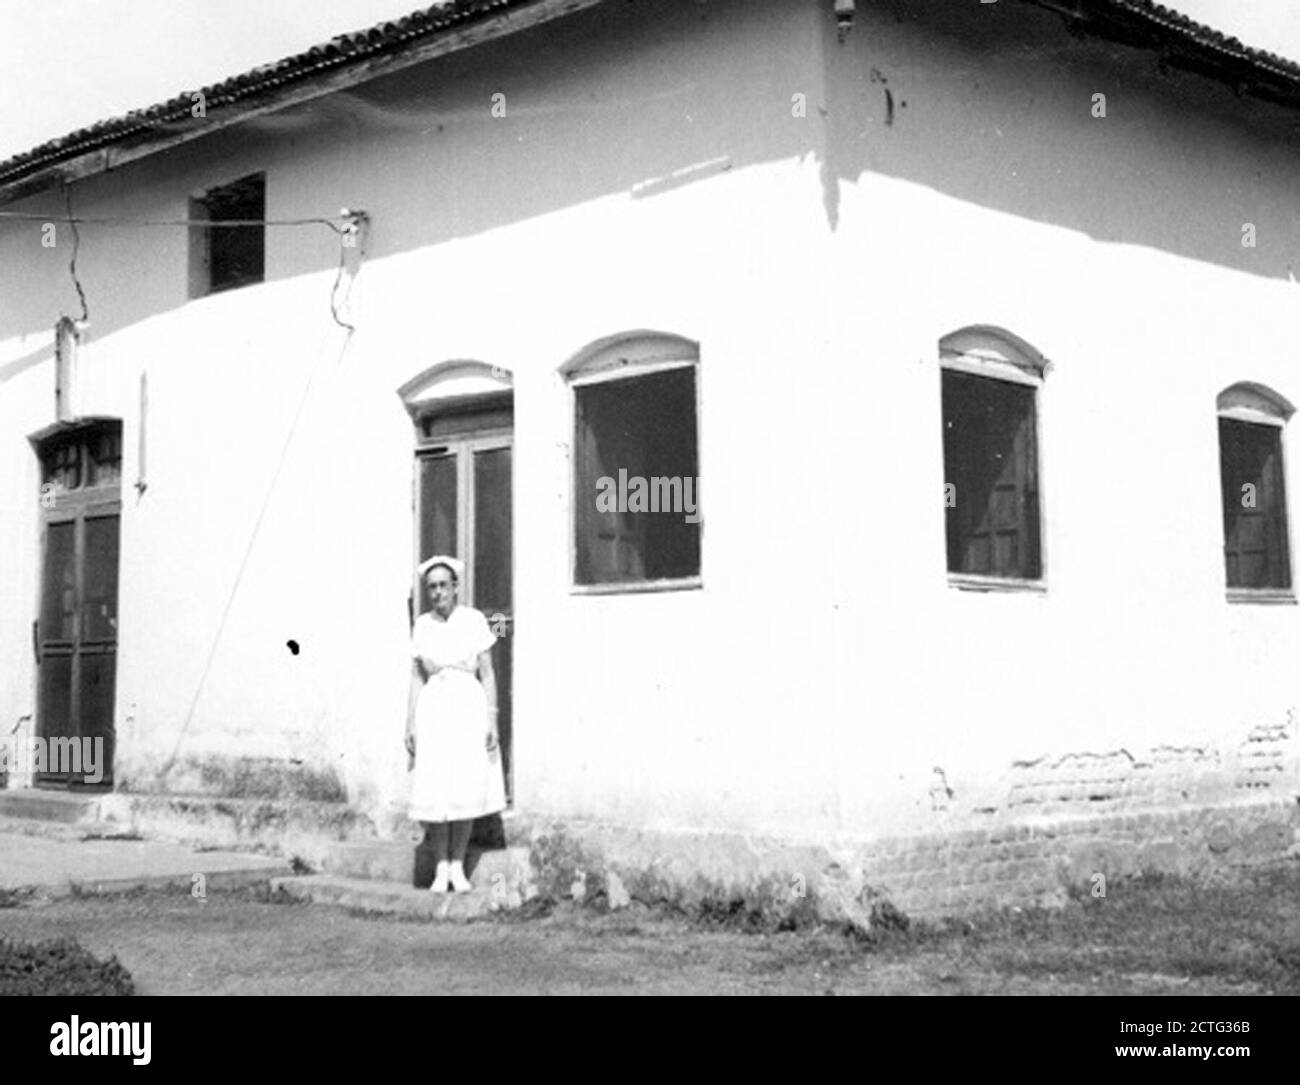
[(455, 778)]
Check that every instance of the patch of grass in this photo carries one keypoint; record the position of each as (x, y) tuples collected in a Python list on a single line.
[(1148, 927), (537, 908), (1152, 930), (88, 891), (558, 860), (263, 893), (766, 907), (59, 967)]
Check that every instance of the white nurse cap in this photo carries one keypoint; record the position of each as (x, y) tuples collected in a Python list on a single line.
[(456, 566)]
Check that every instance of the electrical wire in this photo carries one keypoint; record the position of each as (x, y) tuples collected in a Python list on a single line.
[(76, 245), (222, 622), (27, 216), (348, 228), (338, 278)]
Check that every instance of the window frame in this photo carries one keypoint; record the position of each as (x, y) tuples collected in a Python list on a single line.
[(623, 358), (78, 435), (201, 235), (996, 354), (1259, 405)]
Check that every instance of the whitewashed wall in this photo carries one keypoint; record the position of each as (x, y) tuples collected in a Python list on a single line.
[(826, 667), (1114, 246)]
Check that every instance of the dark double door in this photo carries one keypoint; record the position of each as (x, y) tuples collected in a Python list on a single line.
[(75, 633)]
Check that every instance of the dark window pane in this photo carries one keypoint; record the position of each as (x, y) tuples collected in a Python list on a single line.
[(991, 461), (437, 510), (59, 591), (103, 450), (98, 677), (236, 254), (637, 479), (100, 580), (61, 465), (1255, 540), (492, 530), (54, 710)]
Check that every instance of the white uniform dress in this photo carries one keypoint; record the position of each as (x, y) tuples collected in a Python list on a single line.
[(455, 777)]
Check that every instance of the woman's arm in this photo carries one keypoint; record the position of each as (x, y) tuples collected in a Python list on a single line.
[(488, 676), (417, 683)]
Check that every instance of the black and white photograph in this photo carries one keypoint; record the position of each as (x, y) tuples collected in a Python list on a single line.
[(651, 497)]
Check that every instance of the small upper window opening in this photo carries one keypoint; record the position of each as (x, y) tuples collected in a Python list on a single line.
[(226, 257)]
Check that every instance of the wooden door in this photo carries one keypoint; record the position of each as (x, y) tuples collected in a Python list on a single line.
[(464, 507), (75, 634)]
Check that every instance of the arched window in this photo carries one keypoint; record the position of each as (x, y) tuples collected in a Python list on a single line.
[(636, 485), (990, 381), (1256, 547)]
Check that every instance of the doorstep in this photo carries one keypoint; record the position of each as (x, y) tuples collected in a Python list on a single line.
[(390, 898), (38, 804), (394, 861)]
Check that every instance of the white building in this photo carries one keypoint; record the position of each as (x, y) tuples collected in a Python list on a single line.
[(830, 275)]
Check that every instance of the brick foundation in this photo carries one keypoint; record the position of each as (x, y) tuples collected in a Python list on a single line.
[(1040, 862)]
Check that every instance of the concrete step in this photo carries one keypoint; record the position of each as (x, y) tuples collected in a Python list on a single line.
[(394, 861), (242, 875), (51, 867), (390, 898), (36, 804), (63, 830)]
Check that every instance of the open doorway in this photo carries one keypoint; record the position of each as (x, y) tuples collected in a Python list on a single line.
[(464, 468)]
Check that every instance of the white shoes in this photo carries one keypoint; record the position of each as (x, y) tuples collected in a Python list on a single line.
[(459, 882), (450, 875)]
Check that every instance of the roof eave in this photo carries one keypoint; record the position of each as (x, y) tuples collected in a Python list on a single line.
[(106, 152), (1180, 43)]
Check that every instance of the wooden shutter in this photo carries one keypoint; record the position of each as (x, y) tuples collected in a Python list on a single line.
[(1255, 545), (608, 544), (991, 457)]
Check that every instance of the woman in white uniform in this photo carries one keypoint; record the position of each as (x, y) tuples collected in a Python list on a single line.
[(451, 722)]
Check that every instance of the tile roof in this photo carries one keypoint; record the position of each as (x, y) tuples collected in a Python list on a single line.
[(1186, 43), (1180, 41), (345, 50)]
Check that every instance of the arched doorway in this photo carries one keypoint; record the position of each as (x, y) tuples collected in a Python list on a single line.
[(463, 414)]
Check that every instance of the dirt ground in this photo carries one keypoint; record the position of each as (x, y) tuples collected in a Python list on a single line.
[(1152, 936)]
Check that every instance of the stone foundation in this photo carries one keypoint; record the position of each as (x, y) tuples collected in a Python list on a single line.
[(1071, 823), (1039, 863)]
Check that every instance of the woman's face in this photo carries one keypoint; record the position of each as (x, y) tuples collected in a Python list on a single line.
[(441, 586)]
